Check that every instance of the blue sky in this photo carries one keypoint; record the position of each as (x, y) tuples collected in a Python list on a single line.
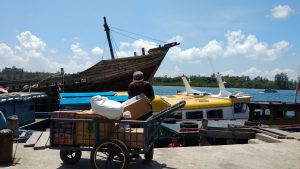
[(253, 38)]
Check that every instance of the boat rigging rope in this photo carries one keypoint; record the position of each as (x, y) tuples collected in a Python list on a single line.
[(138, 34), (116, 46), (212, 66), (103, 50), (132, 37)]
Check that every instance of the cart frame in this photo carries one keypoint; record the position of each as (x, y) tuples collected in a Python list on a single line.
[(69, 135)]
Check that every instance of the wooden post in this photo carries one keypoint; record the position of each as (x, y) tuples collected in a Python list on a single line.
[(230, 127), (107, 30), (203, 140)]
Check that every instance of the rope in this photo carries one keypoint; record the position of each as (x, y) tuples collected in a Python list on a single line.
[(138, 34), (116, 46), (132, 37), (103, 49), (212, 66), (16, 149)]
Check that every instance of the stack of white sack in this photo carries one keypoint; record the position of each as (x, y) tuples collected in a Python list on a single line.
[(108, 108)]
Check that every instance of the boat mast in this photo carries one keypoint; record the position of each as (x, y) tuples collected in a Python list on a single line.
[(107, 30)]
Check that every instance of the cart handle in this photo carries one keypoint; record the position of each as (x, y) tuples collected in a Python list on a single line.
[(164, 113)]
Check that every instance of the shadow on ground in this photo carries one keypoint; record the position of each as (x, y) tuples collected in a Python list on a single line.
[(133, 164)]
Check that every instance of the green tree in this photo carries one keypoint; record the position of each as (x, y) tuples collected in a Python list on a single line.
[(281, 80)]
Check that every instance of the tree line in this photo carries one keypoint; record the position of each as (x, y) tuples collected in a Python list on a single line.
[(14, 73), (281, 81)]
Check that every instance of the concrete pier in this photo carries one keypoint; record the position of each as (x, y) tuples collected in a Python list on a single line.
[(284, 155)]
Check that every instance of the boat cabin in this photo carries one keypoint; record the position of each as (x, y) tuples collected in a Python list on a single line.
[(274, 113)]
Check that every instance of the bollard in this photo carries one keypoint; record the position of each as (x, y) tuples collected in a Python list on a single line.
[(6, 146), (13, 124)]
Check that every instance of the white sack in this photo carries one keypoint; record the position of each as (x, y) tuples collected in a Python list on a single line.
[(108, 108)]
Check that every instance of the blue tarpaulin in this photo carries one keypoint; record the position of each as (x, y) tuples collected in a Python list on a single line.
[(85, 102), (87, 94)]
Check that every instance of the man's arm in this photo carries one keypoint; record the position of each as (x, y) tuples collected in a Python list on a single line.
[(130, 94), (151, 97)]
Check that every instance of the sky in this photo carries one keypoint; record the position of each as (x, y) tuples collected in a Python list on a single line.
[(234, 37)]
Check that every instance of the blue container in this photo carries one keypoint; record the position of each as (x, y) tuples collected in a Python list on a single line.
[(21, 104), (7, 108), (25, 110)]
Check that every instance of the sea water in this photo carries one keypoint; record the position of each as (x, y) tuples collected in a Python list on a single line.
[(256, 94)]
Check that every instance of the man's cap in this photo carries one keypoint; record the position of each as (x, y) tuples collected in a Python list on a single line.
[(138, 76)]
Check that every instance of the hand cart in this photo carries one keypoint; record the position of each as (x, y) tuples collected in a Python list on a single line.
[(110, 141)]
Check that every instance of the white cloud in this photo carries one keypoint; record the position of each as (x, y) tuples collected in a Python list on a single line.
[(237, 44), (78, 52), (97, 51), (30, 42), (52, 51), (281, 11), (31, 54), (177, 38), (253, 72), (128, 49), (213, 49), (229, 72)]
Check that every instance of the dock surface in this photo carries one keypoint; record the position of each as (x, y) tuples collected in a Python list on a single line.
[(285, 155)]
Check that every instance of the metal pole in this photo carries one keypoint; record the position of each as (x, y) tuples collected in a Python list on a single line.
[(297, 83), (296, 92), (62, 72)]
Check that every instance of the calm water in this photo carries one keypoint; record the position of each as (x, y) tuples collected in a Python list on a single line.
[(257, 94)]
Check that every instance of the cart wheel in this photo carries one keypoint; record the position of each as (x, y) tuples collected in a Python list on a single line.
[(70, 156), (110, 154), (149, 154)]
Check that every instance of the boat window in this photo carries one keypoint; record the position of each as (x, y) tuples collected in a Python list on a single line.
[(194, 115), (261, 114), (215, 113), (285, 114), (267, 112), (290, 114), (257, 112), (176, 115), (83, 80), (240, 107)]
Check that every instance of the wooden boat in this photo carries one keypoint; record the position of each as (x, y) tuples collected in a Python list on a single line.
[(106, 75), (274, 113)]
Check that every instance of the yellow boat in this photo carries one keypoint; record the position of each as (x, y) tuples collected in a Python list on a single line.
[(220, 110)]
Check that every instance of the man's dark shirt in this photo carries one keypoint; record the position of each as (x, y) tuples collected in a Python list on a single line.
[(135, 90)]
